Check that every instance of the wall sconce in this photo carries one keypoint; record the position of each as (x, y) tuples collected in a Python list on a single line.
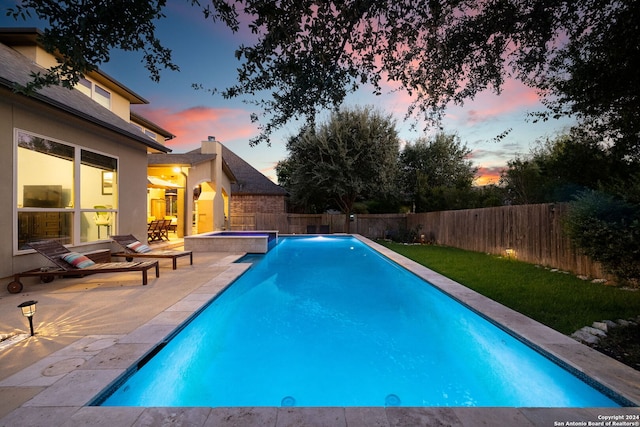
[(28, 310), (511, 253)]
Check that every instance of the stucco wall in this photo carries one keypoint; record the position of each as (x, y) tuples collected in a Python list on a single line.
[(17, 111)]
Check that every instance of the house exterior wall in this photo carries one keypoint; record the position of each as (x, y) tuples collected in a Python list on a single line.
[(20, 112), (248, 204), (120, 106), (211, 173), (223, 189), (37, 55), (197, 175), (6, 190)]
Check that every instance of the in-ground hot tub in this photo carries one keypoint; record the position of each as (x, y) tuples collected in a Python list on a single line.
[(257, 242)]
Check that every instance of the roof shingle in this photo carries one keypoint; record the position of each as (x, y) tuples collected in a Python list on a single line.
[(249, 180)]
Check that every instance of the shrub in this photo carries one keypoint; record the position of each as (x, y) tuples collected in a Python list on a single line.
[(607, 230), (404, 234)]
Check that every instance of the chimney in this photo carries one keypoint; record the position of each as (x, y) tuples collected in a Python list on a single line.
[(210, 146)]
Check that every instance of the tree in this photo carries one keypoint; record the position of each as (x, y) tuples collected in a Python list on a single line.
[(314, 200), (436, 174), (83, 33), (523, 182), (582, 55), (353, 154), (284, 169), (607, 229), (595, 76), (558, 169)]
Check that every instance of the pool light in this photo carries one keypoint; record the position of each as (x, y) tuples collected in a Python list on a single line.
[(28, 310)]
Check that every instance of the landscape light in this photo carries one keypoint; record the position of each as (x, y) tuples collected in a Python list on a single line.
[(28, 310)]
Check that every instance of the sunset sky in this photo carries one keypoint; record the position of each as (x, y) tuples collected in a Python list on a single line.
[(204, 51)]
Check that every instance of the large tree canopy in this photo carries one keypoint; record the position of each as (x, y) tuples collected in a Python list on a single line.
[(558, 169), (308, 55), (432, 169), (353, 154), (595, 76)]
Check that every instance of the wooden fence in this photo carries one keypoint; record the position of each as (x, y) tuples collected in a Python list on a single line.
[(372, 226), (533, 232)]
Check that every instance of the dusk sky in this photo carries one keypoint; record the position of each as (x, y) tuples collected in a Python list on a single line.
[(204, 51)]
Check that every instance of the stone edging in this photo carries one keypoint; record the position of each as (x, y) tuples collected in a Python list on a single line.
[(592, 335)]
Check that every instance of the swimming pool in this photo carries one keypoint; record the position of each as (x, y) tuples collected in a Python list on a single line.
[(329, 322)]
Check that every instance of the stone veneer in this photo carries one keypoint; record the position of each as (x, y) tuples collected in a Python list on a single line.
[(250, 204)]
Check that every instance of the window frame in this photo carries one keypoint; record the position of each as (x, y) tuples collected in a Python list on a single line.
[(94, 91), (76, 210), (99, 97)]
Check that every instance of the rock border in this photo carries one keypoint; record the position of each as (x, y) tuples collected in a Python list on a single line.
[(592, 335)]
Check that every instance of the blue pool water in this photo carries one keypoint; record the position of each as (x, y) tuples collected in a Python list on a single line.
[(327, 321)]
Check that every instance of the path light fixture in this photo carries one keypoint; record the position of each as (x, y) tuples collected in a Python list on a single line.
[(28, 310), (511, 253)]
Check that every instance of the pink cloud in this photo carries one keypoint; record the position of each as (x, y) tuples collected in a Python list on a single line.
[(270, 171), (195, 124), (515, 97)]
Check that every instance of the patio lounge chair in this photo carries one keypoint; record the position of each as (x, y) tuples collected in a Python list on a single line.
[(129, 245), (77, 265)]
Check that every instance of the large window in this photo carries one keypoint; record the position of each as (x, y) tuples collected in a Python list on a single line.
[(63, 192)]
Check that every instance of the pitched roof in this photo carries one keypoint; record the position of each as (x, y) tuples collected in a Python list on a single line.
[(246, 180), (137, 118), (17, 69), (186, 159), (191, 158), (249, 180), (19, 36)]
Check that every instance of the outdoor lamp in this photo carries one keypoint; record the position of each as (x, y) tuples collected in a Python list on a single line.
[(28, 310), (511, 253)]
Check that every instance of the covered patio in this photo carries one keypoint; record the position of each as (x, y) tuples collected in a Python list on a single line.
[(193, 189)]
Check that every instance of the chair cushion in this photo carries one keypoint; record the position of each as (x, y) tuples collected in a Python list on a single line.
[(138, 247), (77, 260)]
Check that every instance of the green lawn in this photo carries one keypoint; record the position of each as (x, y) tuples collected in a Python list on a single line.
[(561, 301)]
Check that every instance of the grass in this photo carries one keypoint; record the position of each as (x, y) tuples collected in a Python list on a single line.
[(559, 300)]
